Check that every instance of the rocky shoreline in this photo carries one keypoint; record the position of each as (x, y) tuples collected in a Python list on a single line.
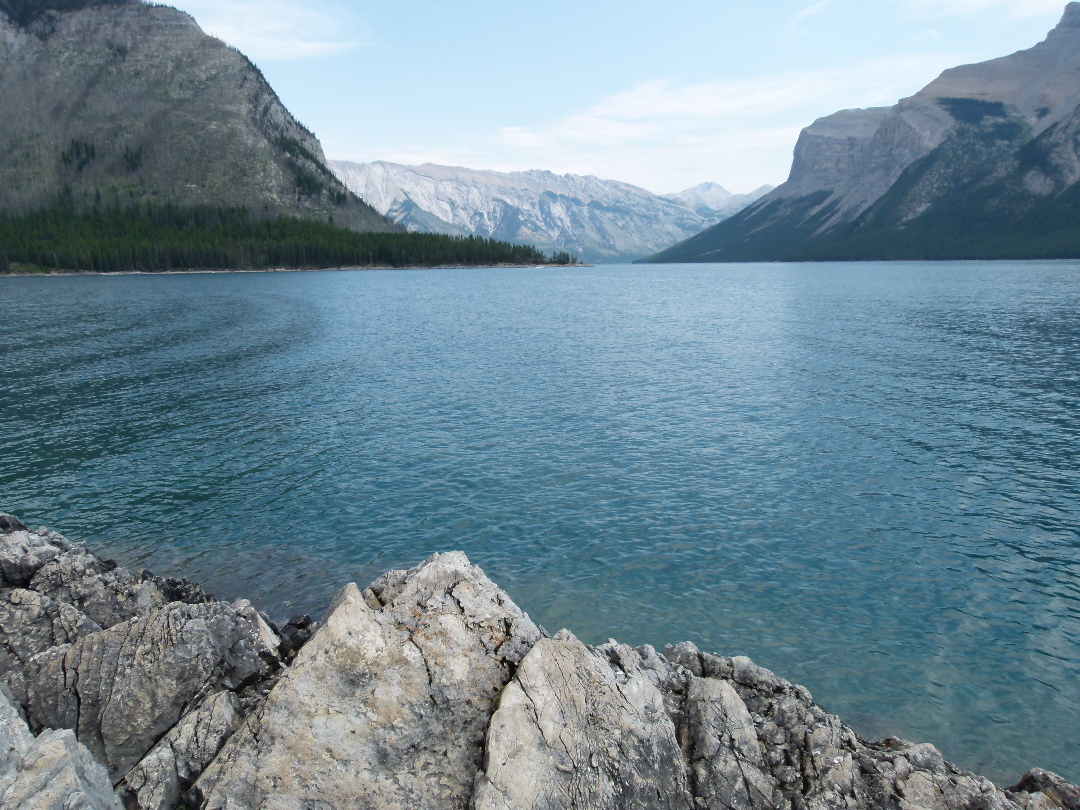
[(428, 689)]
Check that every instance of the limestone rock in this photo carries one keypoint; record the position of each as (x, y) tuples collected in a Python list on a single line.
[(31, 623), (66, 572), (430, 689), (757, 741), (577, 729), (387, 705), (23, 552), (160, 779), (15, 738), (53, 772), (1042, 790), (109, 594), (122, 689)]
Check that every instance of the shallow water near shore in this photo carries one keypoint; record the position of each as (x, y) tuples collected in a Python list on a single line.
[(865, 477)]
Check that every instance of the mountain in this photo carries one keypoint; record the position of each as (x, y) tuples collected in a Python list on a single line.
[(104, 102), (598, 220), (983, 163), (715, 202)]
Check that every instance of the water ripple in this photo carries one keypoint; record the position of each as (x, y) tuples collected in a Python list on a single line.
[(864, 476)]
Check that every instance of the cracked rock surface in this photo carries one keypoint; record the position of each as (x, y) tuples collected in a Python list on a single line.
[(51, 772), (159, 781), (430, 689), (387, 706), (122, 689), (574, 730)]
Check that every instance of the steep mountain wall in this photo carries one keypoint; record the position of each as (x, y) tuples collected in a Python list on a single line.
[(980, 164), (134, 103), (599, 220)]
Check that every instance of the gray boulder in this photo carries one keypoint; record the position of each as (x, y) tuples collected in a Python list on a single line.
[(66, 572), (121, 690), (574, 729), (52, 772), (387, 706), (756, 741), (1043, 790), (31, 623), (612, 727), (158, 782), (430, 689), (106, 593), (23, 552)]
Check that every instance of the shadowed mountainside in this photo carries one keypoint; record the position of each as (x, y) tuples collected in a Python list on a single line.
[(981, 164), (125, 102)]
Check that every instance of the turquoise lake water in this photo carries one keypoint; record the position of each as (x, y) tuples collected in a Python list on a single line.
[(866, 477)]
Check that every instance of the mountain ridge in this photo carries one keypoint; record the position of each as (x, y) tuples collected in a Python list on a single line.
[(599, 220), (124, 102), (979, 164)]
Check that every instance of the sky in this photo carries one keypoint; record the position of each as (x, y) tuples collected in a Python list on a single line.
[(661, 95)]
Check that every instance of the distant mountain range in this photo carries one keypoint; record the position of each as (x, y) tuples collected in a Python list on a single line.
[(983, 163), (598, 220), (714, 202), (106, 101)]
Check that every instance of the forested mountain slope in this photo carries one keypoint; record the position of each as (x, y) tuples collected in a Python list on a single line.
[(109, 101)]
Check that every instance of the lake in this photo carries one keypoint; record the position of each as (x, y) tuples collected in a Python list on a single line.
[(866, 477)]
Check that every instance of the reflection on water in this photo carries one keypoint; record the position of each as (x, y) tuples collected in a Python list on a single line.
[(865, 477)]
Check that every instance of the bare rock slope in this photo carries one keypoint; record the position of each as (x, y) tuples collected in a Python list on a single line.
[(127, 102), (428, 689), (982, 163), (597, 220)]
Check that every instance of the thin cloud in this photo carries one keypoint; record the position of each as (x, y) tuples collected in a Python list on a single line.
[(274, 30), (1013, 8), (810, 11), (666, 136)]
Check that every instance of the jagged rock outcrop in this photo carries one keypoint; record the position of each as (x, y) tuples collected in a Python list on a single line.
[(597, 220), (149, 688), (159, 781), (129, 102), (388, 705), (574, 730), (982, 163), (52, 772), (429, 689), (122, 689)]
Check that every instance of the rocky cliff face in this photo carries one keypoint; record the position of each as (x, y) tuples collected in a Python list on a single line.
[(598, 220), (134, 103), (429, 689), (982, 163)]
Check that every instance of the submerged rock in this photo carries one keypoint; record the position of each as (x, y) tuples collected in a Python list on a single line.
[(430, 689)]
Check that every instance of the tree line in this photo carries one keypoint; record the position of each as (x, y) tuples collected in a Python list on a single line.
[(154, 238)]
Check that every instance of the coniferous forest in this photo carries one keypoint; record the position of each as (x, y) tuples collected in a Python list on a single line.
[(149, 238)]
